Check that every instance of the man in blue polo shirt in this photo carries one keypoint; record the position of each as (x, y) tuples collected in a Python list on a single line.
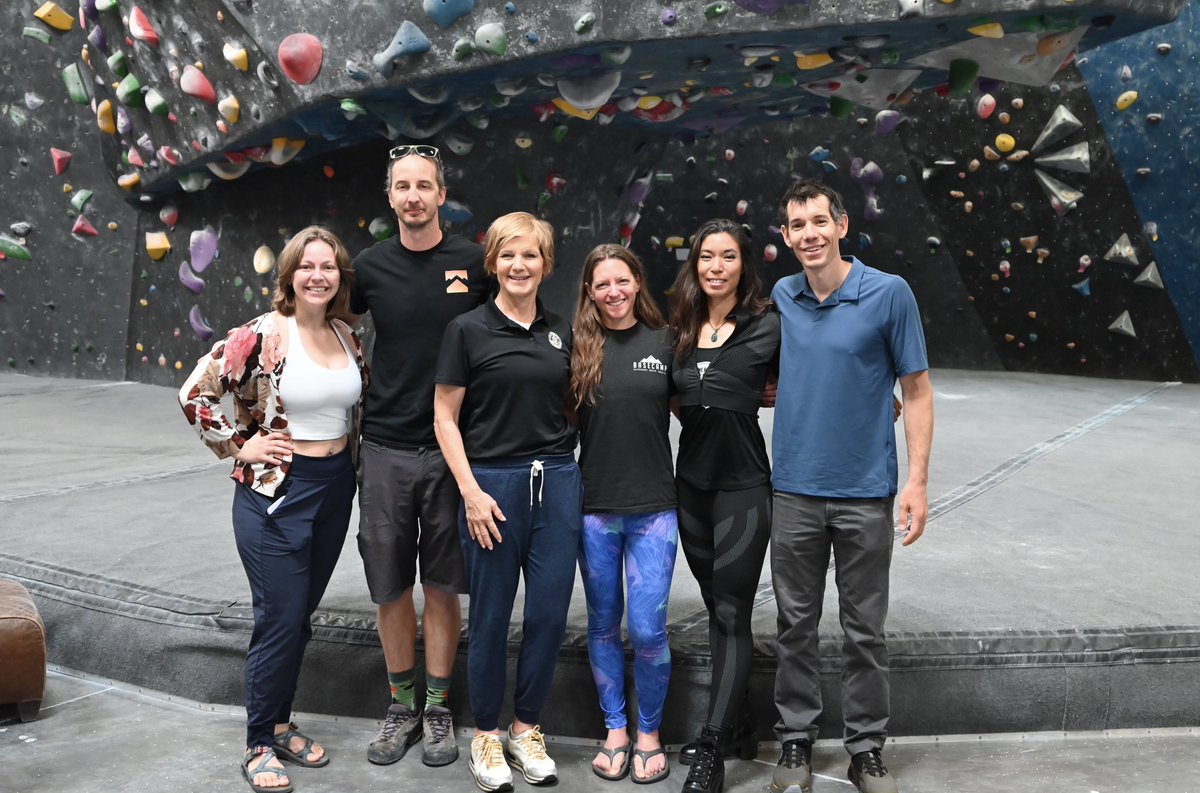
[(849, 333)]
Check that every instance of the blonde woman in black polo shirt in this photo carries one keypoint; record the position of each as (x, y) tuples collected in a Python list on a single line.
[(499, 411)]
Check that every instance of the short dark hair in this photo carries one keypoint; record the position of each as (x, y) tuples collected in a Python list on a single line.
[(802, 191)]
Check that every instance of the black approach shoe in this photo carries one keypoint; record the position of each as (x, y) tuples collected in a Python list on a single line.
[(707, 771), (439, 747), (401, 729), (869, 774), (742, 743), (793, 772)]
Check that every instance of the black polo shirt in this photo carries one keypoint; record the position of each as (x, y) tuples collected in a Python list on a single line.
[(516, 381), (411, 295)]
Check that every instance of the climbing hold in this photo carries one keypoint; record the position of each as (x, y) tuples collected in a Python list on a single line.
[(76, 88), (445, 12), (1150, 277), (985, 106), (584, 23), (963, 72), (523, 141), (1005, 268), (1029, 243), (840, 108), (1085, 262), (157, 244), (1062, 196), (283, 149), (589, 93), (264, 260), (190, 280), (230, 170), (230, 109), (991, 154), (492, 38), (169, 215), (129, 181), (1126, 73), (715, 10), (80, 199), (813, 61), (84, 228), (988, 30), (1005, 142), (12, 249), (968, 207), (1122, 251), (1061, 124), (1154, 118), (381, 228), (199, 327), (1123, 325), (1163, 49), (408, 40), (1042, 254), (203, 247), (668, 17), (1084, 288), (1074, 158), (1004, 118), (129, 91), (741, 207), (934, 243), (104, 118), (1126, 99), (1054, 43), (54, 16), (886, 121), (300, 56), (770, 253), (61, 160), (237, 55), (140, 27), (193, 82)]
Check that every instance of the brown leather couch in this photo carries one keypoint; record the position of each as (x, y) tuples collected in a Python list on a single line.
[(22, 651)]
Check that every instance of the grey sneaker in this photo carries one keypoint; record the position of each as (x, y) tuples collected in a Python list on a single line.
[(869, 774), (793, 772), (438, 747), (527, 753), (400, 730)]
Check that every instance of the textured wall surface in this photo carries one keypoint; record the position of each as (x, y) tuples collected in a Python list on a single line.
[(1034, 241)]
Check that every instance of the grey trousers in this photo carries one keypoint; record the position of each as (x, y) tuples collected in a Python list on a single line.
[(859, 531)]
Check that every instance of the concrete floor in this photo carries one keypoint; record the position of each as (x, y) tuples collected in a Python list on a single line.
[(94, 736)]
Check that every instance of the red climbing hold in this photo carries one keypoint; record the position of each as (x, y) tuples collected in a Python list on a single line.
[(300, 57), (193, 83), (61, 160), (83, 228), (140, 27)]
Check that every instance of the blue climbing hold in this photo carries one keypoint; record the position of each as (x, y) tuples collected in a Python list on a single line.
[(1084, 287), (445, 12), (409, 40), (510, 8), (819, 154)]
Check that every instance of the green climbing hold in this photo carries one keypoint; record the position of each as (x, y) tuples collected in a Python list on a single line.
[(840, 108), (381, 229), (559, 133), (492, 38), (1034, 24), (41, 34), (156, 104), (543, 198), (119, 63), (129, 91), (463, 48), (13, 249), (889, 57), (248, 294), (522, 180), (238, 281), (19, 119), (353, 108), (783, 80), (1060, 21), (714, 10), (585, 23), (80, 198), (107, 5), (74, 82), (963, 72)]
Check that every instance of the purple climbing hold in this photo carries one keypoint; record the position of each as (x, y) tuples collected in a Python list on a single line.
[(768, 6), (88, 7), (865, 173), (199, 326), (886, 121), (190, 280), (871, 209), (203, 247), (445, 12), (668, 17), (97, 38)]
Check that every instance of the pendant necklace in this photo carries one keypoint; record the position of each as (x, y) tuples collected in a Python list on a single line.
[(713, 337)]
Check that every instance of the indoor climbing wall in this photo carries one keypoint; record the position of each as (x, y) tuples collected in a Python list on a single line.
[(993, 153)]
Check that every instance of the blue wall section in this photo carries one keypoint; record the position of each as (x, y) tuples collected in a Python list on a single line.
[(1168, 195)]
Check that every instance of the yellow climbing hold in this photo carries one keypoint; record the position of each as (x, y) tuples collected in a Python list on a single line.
[(105, 119), (230, 108), (1126, 99), (157, 244), (112, 225), (1005, 142), (813, 61), (129, 181), (649, 102), (672, 243), (236, 55), (67, 188), (264, 260), (55, 17), (571, 110), (989, 30)]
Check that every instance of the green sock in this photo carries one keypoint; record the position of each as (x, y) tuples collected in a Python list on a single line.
[(404, 688), (437, 691)]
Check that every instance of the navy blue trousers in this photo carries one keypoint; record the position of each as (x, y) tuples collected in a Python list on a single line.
[(544, 511), (289, 547)]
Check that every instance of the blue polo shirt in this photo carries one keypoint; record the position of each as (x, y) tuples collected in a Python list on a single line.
[(839, 361)]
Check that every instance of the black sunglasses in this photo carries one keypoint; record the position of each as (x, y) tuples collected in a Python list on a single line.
[(419, 149)]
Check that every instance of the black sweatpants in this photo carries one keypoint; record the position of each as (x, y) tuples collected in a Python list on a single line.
[(724, 534)]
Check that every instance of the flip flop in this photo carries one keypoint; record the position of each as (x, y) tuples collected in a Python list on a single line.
[(300, 758), (611, 754), (646, 755), (248, 774)]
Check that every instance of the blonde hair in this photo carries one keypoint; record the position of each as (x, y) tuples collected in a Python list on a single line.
[(289, 260), (507, 228)]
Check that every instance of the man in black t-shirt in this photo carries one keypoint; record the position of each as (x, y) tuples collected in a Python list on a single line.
[(413, 285)]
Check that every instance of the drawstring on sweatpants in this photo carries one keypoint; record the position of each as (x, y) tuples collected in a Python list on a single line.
[(535, 470)]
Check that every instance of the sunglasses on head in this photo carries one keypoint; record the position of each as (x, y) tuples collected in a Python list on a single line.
[(419, 149)]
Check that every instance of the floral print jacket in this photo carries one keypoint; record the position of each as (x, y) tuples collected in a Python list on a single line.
[(247, 364)]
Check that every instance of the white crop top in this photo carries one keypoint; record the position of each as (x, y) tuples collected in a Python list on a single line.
[(317, 399)]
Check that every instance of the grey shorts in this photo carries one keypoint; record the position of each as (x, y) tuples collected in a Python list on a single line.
[(408, 510)]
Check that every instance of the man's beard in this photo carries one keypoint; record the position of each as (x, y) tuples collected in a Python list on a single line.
[(417, 226)]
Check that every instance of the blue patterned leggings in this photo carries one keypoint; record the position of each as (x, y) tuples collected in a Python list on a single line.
[(646, 543)]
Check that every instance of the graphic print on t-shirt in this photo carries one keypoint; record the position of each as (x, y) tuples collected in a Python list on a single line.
[(456, 282), (702, 367), (650, 364)]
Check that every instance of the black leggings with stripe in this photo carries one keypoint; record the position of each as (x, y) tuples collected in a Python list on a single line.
[(725, 534)]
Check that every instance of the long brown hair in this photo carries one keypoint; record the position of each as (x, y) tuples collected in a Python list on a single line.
[(588, 331), (284, 300), (689, 304)]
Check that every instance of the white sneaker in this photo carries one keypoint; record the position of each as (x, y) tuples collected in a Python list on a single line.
[(487, 764), (527, 753)]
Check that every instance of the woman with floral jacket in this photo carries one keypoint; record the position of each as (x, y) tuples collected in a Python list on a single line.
[(296, 376)]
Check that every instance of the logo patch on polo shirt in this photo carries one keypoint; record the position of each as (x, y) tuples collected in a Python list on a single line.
[(456, 282), (554, 340), (650, 364)]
